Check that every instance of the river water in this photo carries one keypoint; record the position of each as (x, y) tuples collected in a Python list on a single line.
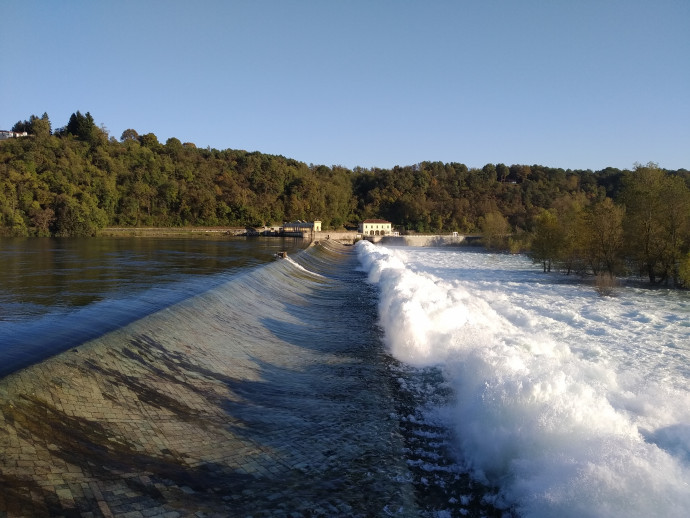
[(373, 381), (56, 293), (218, 379), (568, 403)]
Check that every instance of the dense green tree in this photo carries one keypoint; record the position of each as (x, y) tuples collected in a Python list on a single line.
[(75, 217), (150, 141), (548, 239), (572, 221), (81, 126), (129, 135), (22, 126), (495, 230), (173, 146), (489, 173), (656, 216), (502, 172), (676, 225), (41, 128), (75, 181), (603, 237)]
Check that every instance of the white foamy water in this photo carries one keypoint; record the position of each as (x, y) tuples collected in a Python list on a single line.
[(568, 403)]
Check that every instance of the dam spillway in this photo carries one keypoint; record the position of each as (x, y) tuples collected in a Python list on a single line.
[(267, 396)]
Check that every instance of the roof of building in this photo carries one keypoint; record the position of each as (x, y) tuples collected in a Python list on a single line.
[(375, 221)]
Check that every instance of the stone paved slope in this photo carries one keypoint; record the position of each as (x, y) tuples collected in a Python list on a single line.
[(233, 404), (141, 423)]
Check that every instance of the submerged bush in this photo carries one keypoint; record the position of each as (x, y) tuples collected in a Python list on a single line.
[(605, 284)]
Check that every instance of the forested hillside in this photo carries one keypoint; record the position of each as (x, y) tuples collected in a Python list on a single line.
[(77, 179)]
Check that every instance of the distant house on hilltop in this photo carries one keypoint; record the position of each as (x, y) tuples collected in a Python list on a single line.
[(375, 227), (4, 134)]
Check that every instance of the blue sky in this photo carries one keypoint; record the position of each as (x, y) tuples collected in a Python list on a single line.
[(573, 84)]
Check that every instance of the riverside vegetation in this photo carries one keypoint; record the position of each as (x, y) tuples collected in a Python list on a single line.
[(77, 180)]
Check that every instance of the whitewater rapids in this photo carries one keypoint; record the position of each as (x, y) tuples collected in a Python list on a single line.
[(567, 403)]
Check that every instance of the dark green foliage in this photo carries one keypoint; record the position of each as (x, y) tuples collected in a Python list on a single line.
[(41, 128), (129, 134), (21, 126), (78, 181), (81, 126), (657, 223), (34, 126)]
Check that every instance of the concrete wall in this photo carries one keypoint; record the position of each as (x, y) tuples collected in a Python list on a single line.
[(421, 240), (412, 240), (342, 237)]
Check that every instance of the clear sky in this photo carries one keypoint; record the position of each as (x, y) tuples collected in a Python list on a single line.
[(581, 84)]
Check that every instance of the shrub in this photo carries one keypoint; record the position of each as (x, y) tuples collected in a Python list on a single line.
[(605, 284)]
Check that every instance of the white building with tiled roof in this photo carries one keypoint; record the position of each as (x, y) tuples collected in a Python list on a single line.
[(4, 135), (375, 227)]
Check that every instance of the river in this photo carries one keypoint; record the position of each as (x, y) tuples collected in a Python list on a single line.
[(180, 376), (568, 403), (61, 292)]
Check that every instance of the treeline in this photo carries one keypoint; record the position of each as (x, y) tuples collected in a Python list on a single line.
[(77, 179), (644, 229)]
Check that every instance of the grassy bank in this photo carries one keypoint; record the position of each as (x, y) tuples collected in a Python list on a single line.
[(169, 231)]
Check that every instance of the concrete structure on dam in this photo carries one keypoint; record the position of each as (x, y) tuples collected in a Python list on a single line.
[(454, 239), (422, 240), (139, 423), (172, 416)]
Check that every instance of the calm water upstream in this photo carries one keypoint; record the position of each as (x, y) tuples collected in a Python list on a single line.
[(56, 293)]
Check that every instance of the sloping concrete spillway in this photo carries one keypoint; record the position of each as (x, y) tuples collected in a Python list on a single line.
[(145, 428), (228, 404), (245, 400)]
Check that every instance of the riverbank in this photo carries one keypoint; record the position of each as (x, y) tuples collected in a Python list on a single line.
[(169, 231)]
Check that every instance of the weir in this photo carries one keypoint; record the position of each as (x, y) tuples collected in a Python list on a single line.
[(205, 408), (236, 402), (404, 240)]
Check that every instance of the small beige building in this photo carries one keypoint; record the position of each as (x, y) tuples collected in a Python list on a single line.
[(375, 227)]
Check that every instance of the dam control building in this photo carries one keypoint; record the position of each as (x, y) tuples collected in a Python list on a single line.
[(375, 227)]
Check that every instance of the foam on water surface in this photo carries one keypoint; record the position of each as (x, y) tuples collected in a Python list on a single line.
[(569, 403)]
